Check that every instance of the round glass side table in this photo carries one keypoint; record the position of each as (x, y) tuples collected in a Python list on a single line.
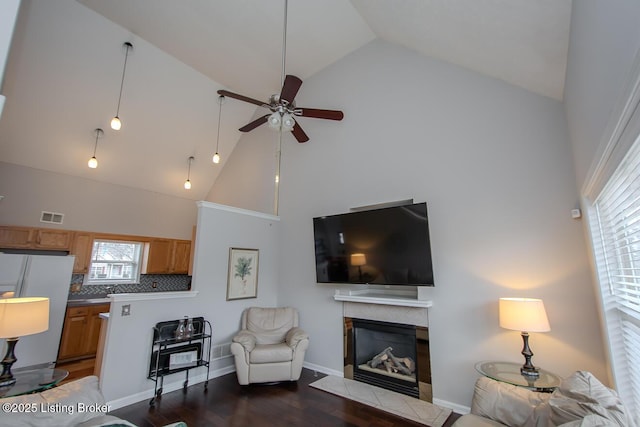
[(508, 372), (33, 381)]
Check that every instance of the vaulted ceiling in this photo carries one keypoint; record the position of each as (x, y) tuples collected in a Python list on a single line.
[(237, 45)]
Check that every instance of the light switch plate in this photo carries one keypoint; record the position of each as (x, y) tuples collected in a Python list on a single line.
[(126, 310)]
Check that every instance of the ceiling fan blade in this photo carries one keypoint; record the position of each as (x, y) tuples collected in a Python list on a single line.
[(290, 88), (320, 114), (254, 124), (299, 134), (241, 98)]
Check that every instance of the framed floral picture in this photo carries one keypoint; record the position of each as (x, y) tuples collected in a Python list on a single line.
[(242, 280)]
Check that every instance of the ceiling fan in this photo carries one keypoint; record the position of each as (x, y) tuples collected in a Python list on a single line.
[(283, 107)]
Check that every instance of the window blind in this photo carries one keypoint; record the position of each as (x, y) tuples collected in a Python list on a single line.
[(616, 236)]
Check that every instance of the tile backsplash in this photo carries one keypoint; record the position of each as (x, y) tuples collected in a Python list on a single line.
[(164, 283)]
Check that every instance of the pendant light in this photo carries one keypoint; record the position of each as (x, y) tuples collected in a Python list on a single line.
[(93, 162), (116, 124), (216, 157), (187, 183)]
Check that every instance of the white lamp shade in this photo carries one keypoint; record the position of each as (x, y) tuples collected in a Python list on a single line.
[(275, 120), (358, 259), (523, 314), (23, 316), (288, 122)]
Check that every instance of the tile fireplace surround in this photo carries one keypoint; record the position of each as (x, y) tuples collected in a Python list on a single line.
[(403, 307)]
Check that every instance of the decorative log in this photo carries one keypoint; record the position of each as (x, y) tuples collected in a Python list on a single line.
[(388, 364), (409, 363), (378, 358), (397, 363)]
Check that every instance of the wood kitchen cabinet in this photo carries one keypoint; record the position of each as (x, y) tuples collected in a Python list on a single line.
[(81, 332), (159, 255), (82, 248), (34, 238), (181, 256), (53, 239), (167, 256), (162, 256), (15, 237)]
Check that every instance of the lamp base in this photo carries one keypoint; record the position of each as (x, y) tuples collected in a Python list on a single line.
[(532, 372), (7, 383), (6, 377), (528, 369)]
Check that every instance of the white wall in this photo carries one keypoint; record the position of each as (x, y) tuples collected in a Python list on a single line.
[(8, 15), (126, 358), (605, 37), (248, 178), (493, 163), (91, 205)]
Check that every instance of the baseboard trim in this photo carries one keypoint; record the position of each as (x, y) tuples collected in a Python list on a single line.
[(458, 409), (322, 369), (166, 388)]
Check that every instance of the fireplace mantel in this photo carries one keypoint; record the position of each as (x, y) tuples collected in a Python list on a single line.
[(382, 296)]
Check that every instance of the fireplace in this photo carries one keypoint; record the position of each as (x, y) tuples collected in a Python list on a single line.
[(390, 355)]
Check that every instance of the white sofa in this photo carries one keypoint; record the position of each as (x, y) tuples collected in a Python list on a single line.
[(270, 346), (76, 403), (580, 400)]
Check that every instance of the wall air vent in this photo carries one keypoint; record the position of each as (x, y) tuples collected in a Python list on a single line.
[(51, 217)]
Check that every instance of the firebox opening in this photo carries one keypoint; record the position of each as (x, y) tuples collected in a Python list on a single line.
[(388, 355)]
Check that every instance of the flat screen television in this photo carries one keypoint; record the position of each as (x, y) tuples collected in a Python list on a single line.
[(387, 246)]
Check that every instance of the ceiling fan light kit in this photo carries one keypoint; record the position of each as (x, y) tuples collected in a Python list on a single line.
[(275, 121)]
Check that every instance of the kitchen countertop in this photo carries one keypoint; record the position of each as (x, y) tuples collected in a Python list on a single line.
[(74, 302)]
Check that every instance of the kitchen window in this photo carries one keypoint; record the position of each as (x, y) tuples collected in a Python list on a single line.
[(115, 262)]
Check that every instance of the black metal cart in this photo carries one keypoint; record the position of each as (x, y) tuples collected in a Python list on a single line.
[(170, 355)]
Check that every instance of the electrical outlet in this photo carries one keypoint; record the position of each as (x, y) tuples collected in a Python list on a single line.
[(154, 284), (126, 310)]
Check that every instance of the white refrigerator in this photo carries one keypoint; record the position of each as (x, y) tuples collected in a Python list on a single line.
[(37, 276)]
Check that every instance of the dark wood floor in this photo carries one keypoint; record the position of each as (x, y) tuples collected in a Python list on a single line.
[(284, 404), (77, 369)]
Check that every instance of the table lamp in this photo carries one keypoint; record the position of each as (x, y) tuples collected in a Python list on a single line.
[(524, 315), (20, 317), (359, 260)]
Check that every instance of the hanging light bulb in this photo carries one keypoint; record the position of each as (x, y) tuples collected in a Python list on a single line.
[(116, 124), (216, 156), (93, 162), (187, 183)]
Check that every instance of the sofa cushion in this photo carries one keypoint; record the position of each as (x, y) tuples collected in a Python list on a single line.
[(581, 394), (270, 325), (106, 421), (271, 353), (471, 420), (505, 403), (67, 405)]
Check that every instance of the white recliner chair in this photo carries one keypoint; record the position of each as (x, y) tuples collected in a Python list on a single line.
[(270, 346)]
